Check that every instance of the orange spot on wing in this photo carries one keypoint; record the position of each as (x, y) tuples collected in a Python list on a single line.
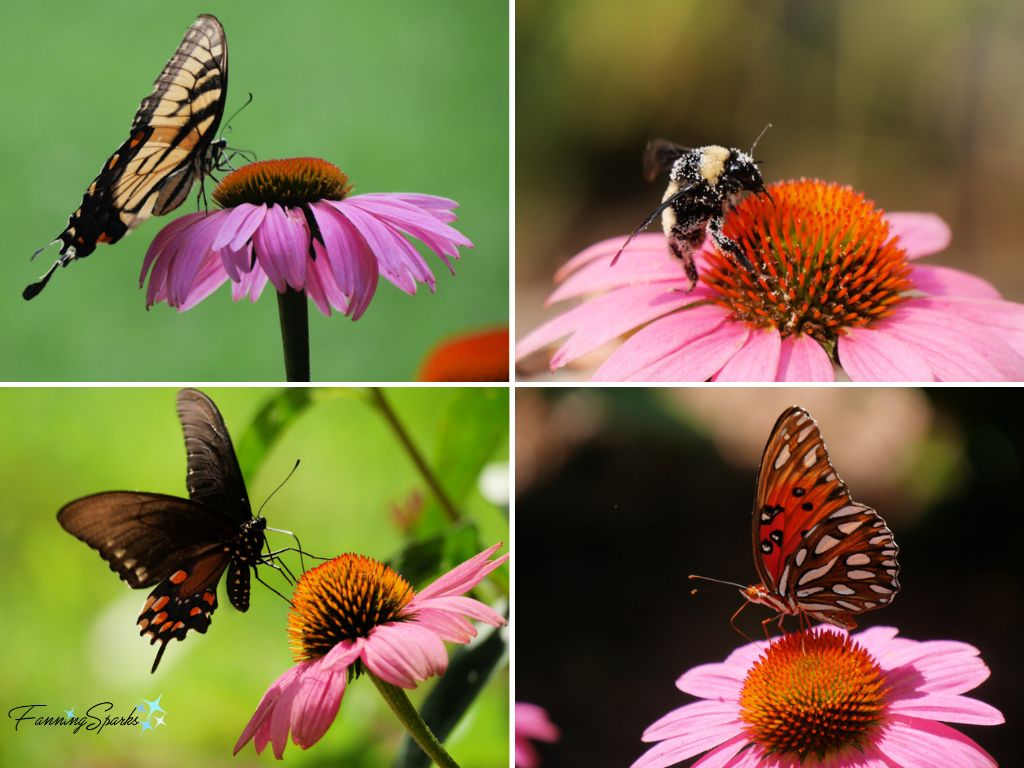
[(166, 627), (159, 604), (113, 161), (136, 140), (143, 623), (162, 616), (178, 576), (195, 611), (104, 238), (149, 602), (179, 624), (209, 597)]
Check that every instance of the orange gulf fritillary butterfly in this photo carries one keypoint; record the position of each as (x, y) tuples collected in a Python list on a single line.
[(818, 552)]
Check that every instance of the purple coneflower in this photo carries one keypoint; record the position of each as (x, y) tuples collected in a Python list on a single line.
[(293, 223), (838, 289), (352, 615), (821, 697), (531, 723)]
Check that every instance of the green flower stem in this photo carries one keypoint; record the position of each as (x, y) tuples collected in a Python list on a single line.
[(417, 458), (421, 734), (293, 309)]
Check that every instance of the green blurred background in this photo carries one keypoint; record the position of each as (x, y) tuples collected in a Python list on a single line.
[(914, 103), (621, 493), (69, 636), (403, 96)]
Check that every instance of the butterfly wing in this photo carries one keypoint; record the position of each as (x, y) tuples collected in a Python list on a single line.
[(812, 542), (143, 536), (170, 144), (185, 600), (213, 477)]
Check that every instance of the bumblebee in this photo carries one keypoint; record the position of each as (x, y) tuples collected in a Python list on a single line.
[(703, 184)]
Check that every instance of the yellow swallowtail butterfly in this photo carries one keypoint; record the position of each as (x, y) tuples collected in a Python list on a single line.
[(171, 144)]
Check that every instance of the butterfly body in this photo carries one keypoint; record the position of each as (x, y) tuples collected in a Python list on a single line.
[(817, 551), (170, 145), (182, 546)]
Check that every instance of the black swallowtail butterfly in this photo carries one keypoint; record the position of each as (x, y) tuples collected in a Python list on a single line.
[(181, 545)]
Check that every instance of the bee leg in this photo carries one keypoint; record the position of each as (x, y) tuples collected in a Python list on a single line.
[(683, 250), (725, 245)]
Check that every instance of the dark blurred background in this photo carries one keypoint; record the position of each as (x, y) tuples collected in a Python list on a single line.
[(916, 104), (621, 493)]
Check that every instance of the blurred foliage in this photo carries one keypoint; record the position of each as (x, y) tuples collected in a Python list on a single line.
[(70, 638), (402, 96), (628, 512), (908, 102)]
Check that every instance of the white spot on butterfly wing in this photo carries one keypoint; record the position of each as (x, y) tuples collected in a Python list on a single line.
[(801, 555), (860, 575), (851, 526), (826, 543), (811, 458), (782, 458), (818, 572), (842, 589), (858, 559)]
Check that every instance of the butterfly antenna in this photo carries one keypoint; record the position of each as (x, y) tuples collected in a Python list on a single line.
[(248, 101), (714, 581), (279, 487)]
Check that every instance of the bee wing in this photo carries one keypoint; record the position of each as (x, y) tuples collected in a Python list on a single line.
[(659, 156)]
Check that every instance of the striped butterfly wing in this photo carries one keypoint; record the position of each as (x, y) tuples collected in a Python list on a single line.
[(813, 544), (170, 145)]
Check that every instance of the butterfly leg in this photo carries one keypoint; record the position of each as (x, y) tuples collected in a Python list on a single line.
[(732, 622), (256, 576)]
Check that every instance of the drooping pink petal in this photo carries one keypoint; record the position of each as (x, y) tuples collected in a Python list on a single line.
[(439, 207), (923, 744), (316, 705), (238, 225), (602, 319), (270, 243), (381, 243), (801, 358), (166, 241), (942, 666), (921, 234), (756, 360), (354, 266), (1003, 319), (282, 241), (869, 355), (532, 721), (946, 281), (658, 340), (193, 249), (211, 276), (412, 220), (267, 704), (404, 654)]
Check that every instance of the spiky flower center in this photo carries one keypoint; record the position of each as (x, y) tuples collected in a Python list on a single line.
[(813, 693), (826, 259), (343, 599), (291, 182)]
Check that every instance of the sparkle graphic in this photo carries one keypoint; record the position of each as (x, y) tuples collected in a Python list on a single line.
[(70, 713), (150, 719)]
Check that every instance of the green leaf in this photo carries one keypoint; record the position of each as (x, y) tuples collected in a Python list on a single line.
[(470, 431), (273, 418), (470, 669)]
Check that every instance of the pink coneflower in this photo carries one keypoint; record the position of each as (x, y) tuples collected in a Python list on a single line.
[(821, 697), (293, 223), (352, 615), (838, 288), (532, 723)]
